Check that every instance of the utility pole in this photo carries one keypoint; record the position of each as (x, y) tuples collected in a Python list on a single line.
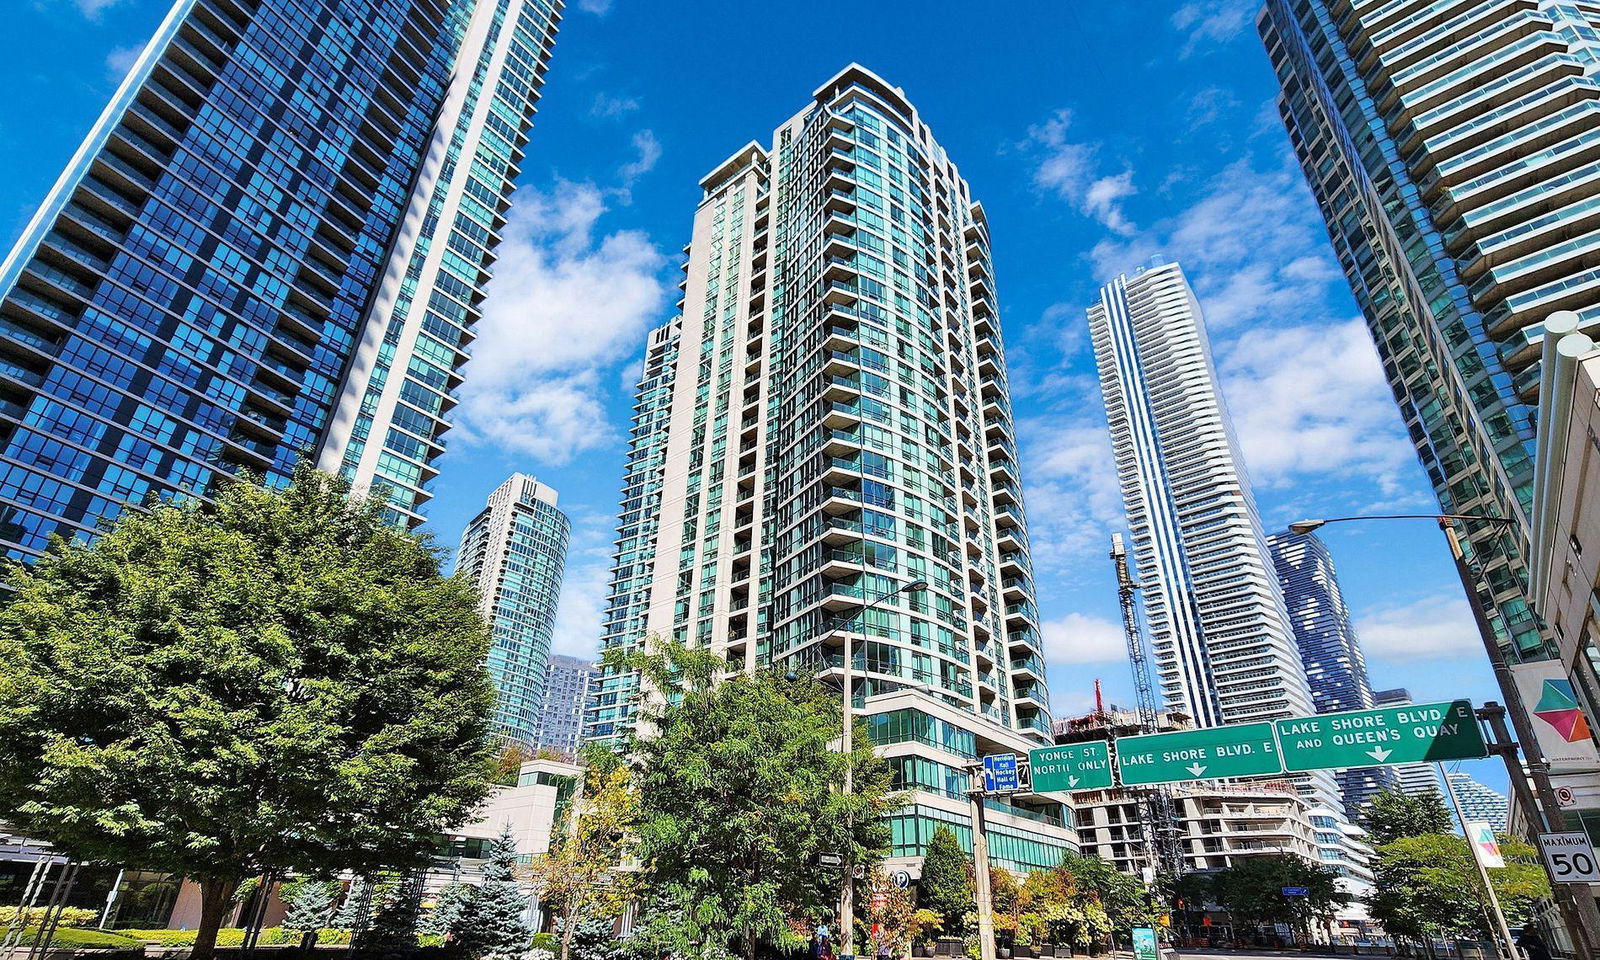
[(980, 868), (1505, 943), (1576, 903)]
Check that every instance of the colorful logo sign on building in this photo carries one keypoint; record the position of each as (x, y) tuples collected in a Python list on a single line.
[(1558, 706)]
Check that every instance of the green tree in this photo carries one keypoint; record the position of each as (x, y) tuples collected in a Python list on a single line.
[(739, 796), (445, 916), (491, 921), (1058, 909), (310, 905), (1426, 886), (277, 681), (356, 908), (393, 931), (581, 876), (946, 884), (1391, 815), (1120, 895), (1252, 892)]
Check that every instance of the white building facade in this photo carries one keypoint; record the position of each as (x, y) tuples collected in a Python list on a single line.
[(1224, 649)]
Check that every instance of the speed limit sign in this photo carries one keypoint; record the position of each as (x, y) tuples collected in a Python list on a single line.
[(1570, 857)]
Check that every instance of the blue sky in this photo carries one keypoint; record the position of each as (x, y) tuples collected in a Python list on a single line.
[(1096, 135)]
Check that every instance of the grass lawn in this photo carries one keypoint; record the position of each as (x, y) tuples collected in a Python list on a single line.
[(74, 937)]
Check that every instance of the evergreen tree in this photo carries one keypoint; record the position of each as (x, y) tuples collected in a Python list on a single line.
[(445, 917), (310, 904), (946, 888), (393, 932), (356, 909), (593, 938), (491, 922)]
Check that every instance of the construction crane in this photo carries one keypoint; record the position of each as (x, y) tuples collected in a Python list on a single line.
[(1157, 812)]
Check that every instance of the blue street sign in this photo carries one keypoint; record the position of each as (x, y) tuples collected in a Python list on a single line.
[(1000, 773), (1295, 891)]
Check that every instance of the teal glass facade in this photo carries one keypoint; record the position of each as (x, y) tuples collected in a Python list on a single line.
[(192, 297), (1454, 156), (823, 463), (514, 552)]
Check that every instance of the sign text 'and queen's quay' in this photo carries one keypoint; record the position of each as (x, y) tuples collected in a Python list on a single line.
[(1416, 733)]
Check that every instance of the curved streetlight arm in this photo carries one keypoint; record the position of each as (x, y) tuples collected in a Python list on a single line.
[(1306, 526)]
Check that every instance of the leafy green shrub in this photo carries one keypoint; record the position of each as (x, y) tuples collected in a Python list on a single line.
[(547, 941)]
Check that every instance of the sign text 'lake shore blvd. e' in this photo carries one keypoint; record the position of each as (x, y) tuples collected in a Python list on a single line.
[(1210, 753)]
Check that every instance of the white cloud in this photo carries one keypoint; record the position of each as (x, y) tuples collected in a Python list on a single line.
[(1073, 499), (564, 304), (584, 586), (93, 8), (1071, 170), (1104, 199), (119, 61), (1254, 247), (609, 106), (1082, 639), (1438, 627), (649, 150), (1208, 104), (597, 7), (1312, 401), (1211, 23)]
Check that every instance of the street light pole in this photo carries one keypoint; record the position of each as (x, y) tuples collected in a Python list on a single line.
[(1506, 943), (847, 919), (1577, 905)]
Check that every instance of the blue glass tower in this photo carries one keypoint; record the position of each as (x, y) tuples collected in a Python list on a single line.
[(282, 202), (1336, 668), (514, 552)]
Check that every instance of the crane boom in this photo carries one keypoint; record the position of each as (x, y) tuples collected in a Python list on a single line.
[(1157, 813)]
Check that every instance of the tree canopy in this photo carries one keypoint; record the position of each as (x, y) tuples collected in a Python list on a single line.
[(277, 680), (1252, 891), (1427, 886), (1392, 814), (739, 796)]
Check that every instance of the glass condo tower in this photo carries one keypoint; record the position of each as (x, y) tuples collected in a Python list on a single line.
[(826, 422), (272, 245), (514, 552)]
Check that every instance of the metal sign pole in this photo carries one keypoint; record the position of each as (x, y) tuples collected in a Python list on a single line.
[(980, 868), (1502, 930)]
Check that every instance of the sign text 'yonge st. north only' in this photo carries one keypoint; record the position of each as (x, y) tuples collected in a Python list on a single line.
[(1424, 732), (1071, 766)]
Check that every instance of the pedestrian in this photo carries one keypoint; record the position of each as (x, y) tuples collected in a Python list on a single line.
[(1532, 944)]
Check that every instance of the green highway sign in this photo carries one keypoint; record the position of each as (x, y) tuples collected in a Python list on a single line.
[(1073, 766), (1237, 750), (1425, 732)]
